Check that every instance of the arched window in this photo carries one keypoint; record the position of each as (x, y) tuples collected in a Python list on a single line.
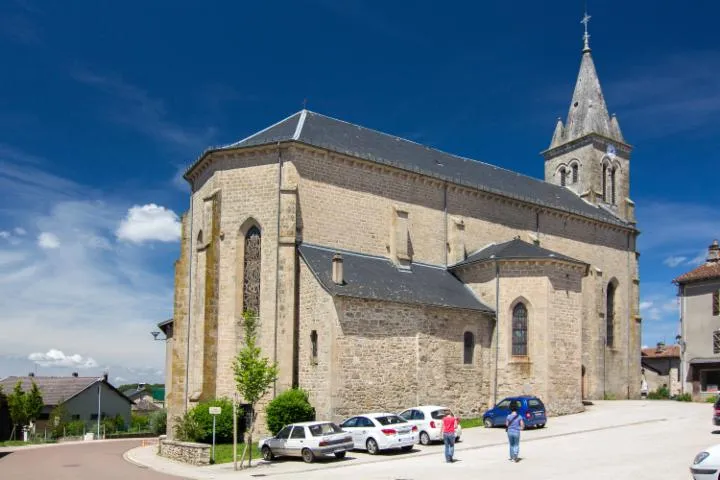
[(519, 330), (575, 173), (612, 186), (604, 183), (563, 177), (610, 315), (469, 347), (251, 271)]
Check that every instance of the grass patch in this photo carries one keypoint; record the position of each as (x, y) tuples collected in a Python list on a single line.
[(224, 452), (471, 422), (20, 443)]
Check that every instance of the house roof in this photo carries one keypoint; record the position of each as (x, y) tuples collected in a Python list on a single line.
[(515, 249), (346, 138), (668, 351), (56, 390), (706, 271), (377, 278), (144, 405)]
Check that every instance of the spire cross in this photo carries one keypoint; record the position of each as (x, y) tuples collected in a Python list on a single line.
[(586, 37)]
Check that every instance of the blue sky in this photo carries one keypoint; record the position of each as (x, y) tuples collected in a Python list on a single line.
[(102, 105)]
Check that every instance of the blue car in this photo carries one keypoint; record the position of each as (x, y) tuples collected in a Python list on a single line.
[(530, 408)]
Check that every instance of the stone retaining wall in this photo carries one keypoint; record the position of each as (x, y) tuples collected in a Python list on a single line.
[(186, 452)]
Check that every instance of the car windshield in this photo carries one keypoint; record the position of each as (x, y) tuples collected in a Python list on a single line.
[(324, 429), (440, 414), (390, 420)]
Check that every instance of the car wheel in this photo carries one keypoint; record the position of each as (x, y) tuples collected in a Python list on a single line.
[(267, 453), (307, 455), (488, 423), (340, 454), (540, 425), (372, 446), (406, 448), (424, 438)]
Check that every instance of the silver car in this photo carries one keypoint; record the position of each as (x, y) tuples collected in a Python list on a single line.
[(307, 440)]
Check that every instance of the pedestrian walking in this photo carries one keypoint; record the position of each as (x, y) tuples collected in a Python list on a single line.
[(513, 424), (449, 424)]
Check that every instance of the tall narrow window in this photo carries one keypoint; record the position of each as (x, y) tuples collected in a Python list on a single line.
[(251, 271), (575, 173), (716, 303), (610, 316), (604, 183), (716, 342), (469, 347), (314, 345), (563, 175), (519, 330), (612, 186)]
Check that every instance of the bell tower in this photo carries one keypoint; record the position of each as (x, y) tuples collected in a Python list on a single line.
[(588, 153)]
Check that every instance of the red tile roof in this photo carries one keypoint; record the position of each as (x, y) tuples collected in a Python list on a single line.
[(668, 351), (706, 271)]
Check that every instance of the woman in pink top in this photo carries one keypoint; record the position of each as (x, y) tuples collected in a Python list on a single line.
[(449, 424)]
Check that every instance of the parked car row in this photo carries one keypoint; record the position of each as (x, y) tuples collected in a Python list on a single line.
[(375, 432)]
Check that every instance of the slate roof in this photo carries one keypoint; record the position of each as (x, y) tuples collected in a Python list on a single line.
[(342, 137), (515, 249), (55, 389), (377, 278)]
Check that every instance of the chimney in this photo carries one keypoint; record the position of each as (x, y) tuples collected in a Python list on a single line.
[(337, 270), (75, 374), (31, 374), (713, 252)]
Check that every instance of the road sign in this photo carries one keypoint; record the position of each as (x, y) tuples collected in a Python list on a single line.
[(215, 410)]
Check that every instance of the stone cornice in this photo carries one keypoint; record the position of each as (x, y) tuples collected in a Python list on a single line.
[(599, 141)]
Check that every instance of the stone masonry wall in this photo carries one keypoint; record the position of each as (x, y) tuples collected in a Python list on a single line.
[(186, 452)]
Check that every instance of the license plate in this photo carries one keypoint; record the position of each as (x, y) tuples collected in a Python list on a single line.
[(539, 414)]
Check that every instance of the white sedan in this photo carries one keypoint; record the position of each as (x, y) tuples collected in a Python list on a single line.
[(706, 464), (428, 419), (380, 431), (307, 440)]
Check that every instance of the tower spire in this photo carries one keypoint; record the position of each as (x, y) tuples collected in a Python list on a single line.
[(586, 36)]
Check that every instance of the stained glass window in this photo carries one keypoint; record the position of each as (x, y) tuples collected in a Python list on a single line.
[(251, 271), (519, 330)]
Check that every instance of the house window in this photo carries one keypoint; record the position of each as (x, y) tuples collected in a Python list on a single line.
[(314, 345), (716, 341), (563, 176), (575, 173), (469, 348), (610, 316), (612, 186), (716, 303), (519, 330), (251, 271)]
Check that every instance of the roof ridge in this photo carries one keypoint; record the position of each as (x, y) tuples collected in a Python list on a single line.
[(235, 144)]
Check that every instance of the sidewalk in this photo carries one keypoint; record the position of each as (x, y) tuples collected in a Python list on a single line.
[(604, 415), (74, 442)]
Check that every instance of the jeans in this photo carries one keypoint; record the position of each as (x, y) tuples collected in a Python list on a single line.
[(449, 439), (514, 439)]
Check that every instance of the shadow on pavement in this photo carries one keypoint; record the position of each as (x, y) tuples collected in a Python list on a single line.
[(4, 454)]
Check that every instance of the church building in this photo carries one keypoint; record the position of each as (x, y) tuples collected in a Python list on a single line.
[(387, 274)]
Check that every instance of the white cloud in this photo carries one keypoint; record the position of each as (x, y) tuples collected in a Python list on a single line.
[(673, 262), (149, 222), (4, 234), (645, 305), (48, 240), (19, 231), (56, 358)]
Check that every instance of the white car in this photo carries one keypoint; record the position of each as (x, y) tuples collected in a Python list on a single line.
[(706, 464), (307, 440), (428, 419), (380, 431)]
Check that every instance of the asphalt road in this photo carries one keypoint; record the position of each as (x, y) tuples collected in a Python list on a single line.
[(90, 460)]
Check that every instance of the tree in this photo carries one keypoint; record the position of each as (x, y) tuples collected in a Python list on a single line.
[(254, 374), (24, 407)]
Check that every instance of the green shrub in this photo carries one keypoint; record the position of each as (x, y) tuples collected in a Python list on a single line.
[(223, 422), (684, 397), (114, 424), (711, 399), (289, 407), (187, 428), (609, 396), (75, 428), (139, 422), (662, 393), (158, 422)]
